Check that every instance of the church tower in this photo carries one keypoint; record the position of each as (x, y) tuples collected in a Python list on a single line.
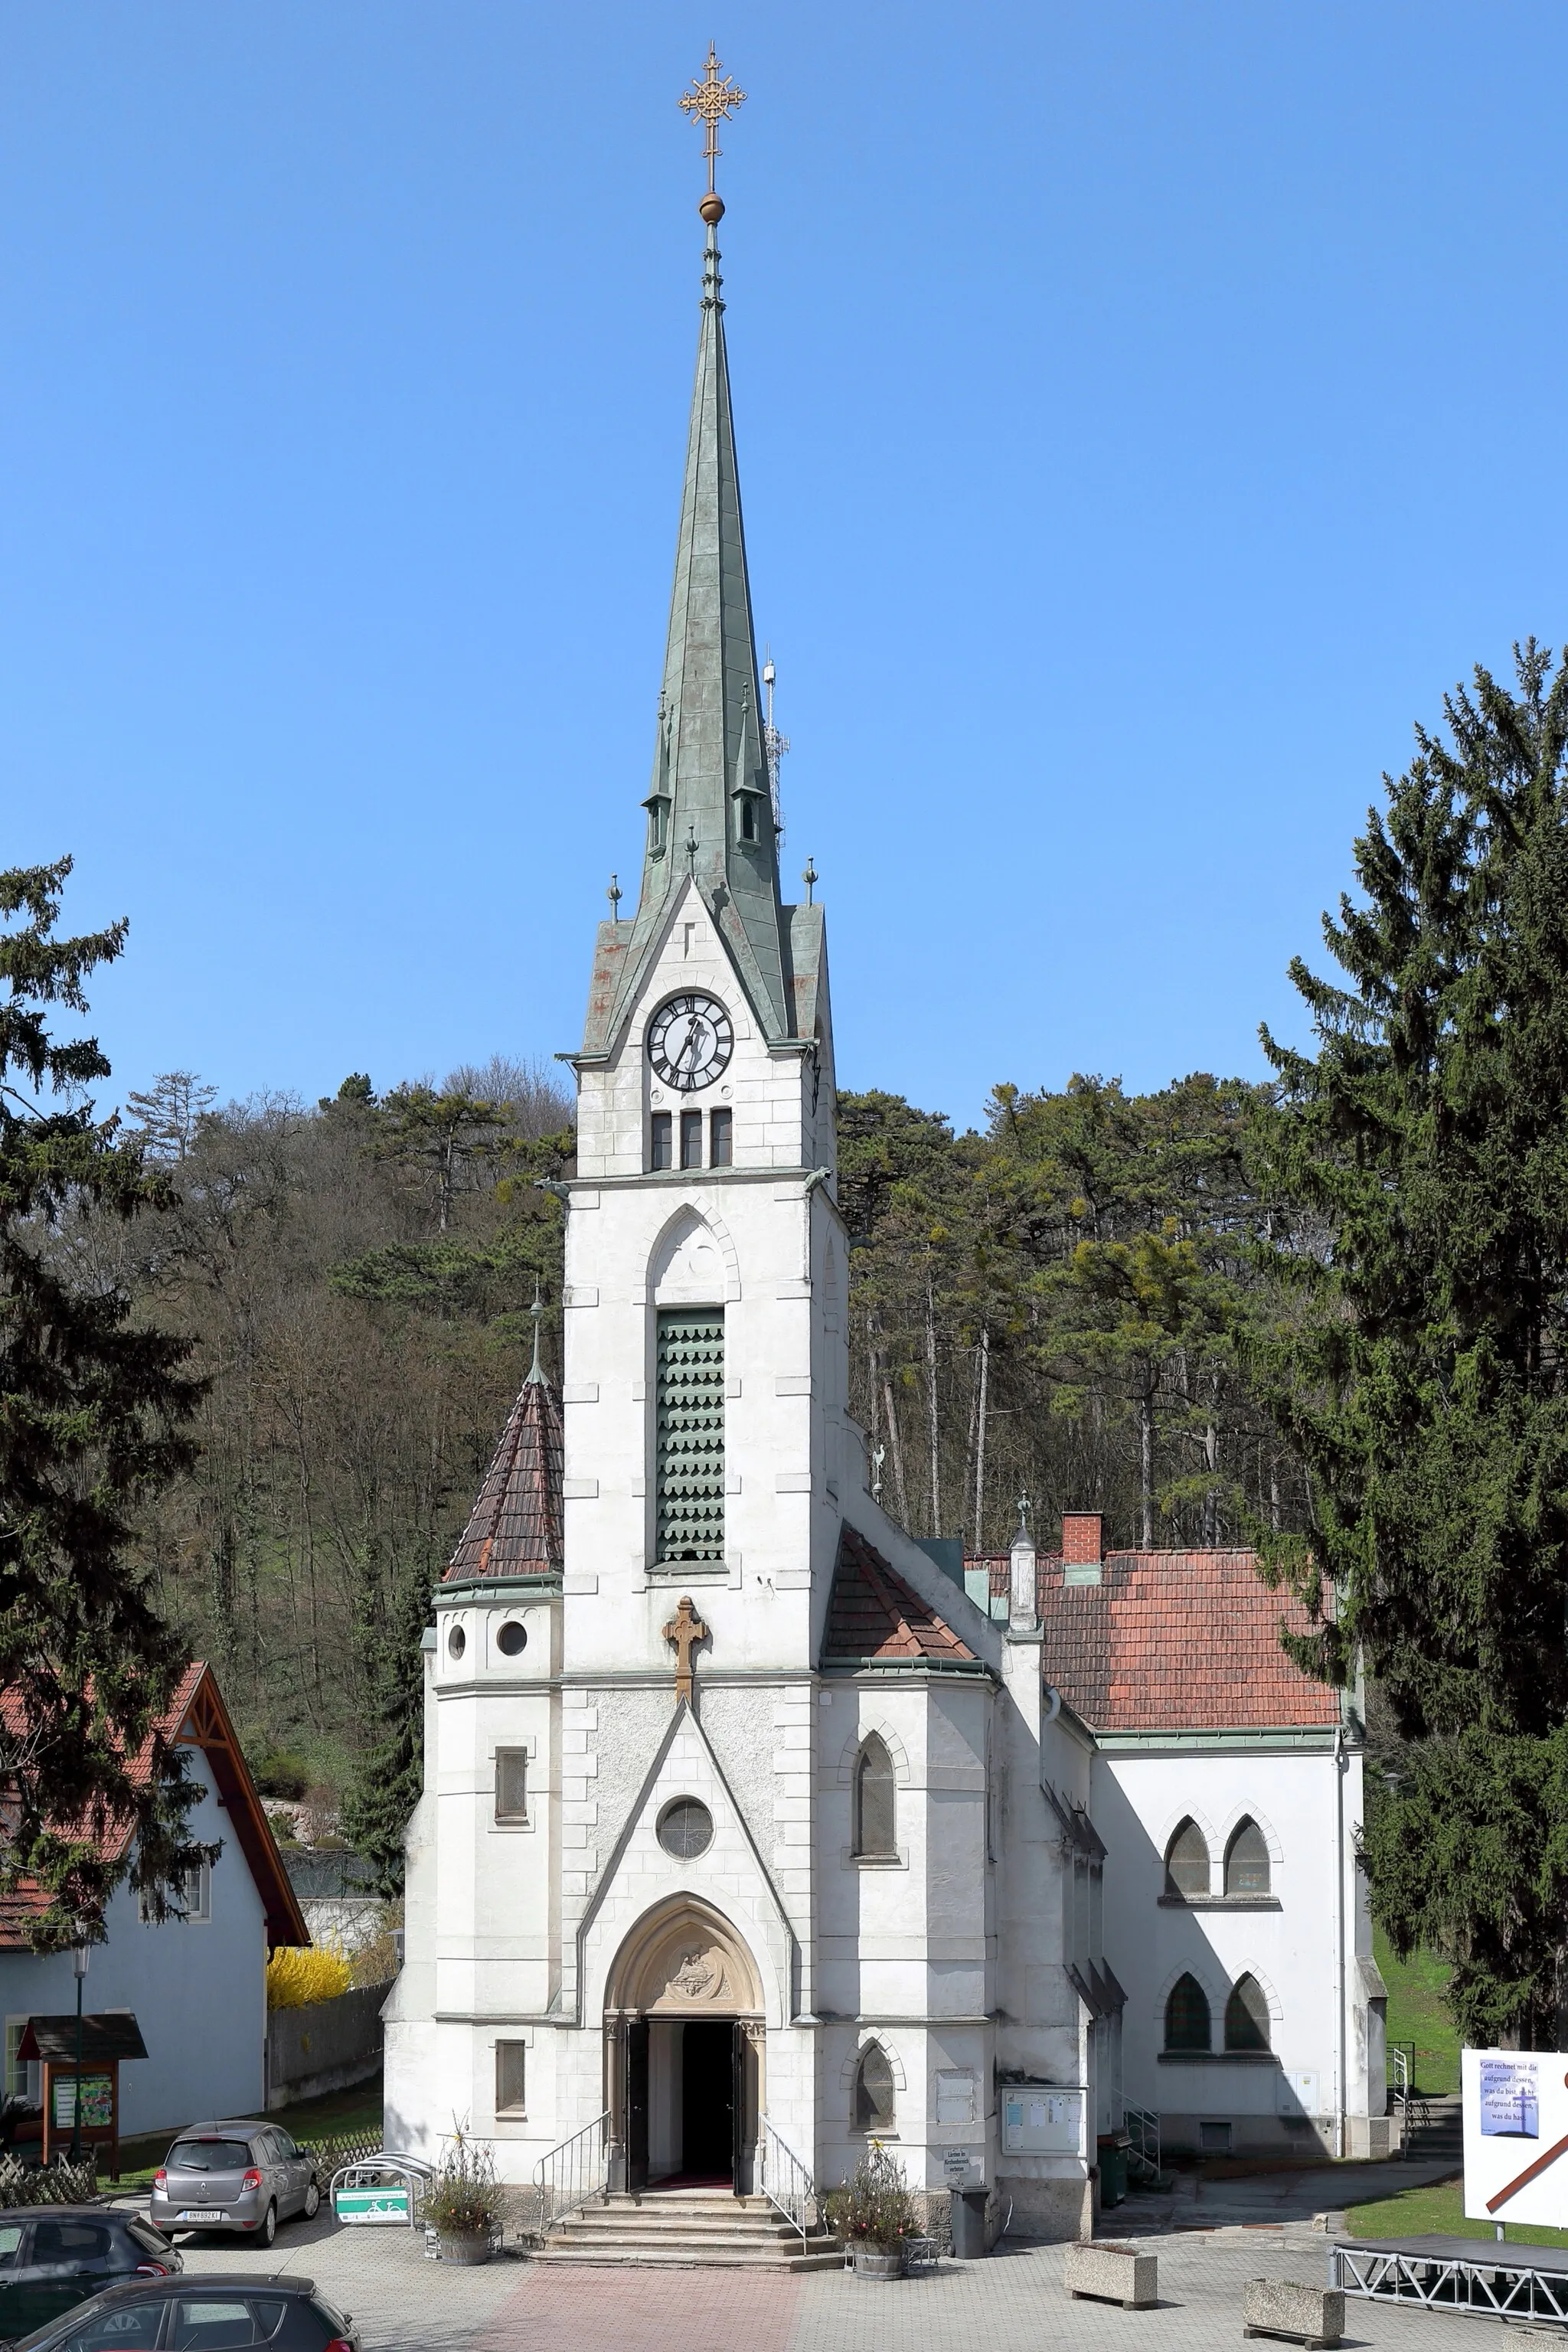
[(705, 1881)]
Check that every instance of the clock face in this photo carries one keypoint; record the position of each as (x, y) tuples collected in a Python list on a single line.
[(690, 1041)]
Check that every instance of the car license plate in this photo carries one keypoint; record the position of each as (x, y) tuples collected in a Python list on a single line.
[(202, 2213)]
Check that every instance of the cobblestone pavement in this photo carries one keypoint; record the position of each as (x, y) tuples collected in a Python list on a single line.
[(1012, 2302)]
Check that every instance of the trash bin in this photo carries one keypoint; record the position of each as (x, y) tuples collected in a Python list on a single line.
[(968, 2223), (1110, 2153)]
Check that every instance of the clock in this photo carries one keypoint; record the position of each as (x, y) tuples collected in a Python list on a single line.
[(689, 1042)]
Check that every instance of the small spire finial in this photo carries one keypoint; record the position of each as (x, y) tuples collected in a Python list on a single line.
[(614, 895), (711, 100), (808, 876), (536, 1370), (692, 847)]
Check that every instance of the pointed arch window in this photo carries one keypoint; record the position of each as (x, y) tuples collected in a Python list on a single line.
[(876, 1810), (1187, 1862), (872, 2107), (1247, 1860), (1246, 2016), (1187, 2023)]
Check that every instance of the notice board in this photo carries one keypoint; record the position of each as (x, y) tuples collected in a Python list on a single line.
[(1515, 2107)]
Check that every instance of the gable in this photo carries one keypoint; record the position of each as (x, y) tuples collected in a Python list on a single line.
[(196, 1716), (875, 1618)]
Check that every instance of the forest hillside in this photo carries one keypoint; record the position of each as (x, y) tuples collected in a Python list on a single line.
[(1056, 1305)]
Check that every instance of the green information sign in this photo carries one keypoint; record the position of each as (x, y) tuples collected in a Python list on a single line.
[(389, 2204)]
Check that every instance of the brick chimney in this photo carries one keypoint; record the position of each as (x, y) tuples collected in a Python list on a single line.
[(1082, 1547)]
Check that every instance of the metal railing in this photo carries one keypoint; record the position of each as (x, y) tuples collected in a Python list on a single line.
[(786, 2182), (1403, 2099), (1143, 2151), (572, 2172)]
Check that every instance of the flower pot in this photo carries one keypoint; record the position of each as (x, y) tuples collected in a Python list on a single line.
[(880, 2261), (465, 2246)]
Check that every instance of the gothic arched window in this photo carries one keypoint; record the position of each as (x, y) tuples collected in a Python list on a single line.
[(1246, 2016), (1187, 1862), (1187, 2023), (1247, 1860), (875, 1818), (872, 2109)]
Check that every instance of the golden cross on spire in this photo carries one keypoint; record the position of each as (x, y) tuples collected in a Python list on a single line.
[(709, 102)]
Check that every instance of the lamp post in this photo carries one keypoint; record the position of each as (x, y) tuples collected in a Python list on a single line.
[(79, 1962)]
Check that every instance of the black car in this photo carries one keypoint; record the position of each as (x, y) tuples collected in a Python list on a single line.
[(217, 2313), (53, 2257)]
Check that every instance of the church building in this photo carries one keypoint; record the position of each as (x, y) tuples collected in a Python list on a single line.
[(750, 1833)]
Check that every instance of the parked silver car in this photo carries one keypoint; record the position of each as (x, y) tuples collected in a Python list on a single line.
[(242, 2178)]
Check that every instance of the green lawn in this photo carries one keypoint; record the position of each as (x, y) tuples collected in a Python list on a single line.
[(1416, 2013), (1420, 2211), (335, 2114)]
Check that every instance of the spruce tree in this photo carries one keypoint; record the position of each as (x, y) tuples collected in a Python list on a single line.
[(92, 1405), (391, 1776), (1425, 1379)]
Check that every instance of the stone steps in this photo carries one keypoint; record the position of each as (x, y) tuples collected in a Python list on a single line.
[(685, 2229)]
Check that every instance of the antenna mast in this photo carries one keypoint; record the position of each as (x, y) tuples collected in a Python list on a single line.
[(775, 746)]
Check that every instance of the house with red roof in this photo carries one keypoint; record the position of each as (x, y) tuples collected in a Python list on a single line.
[(197, 1984), (1221, 1832)]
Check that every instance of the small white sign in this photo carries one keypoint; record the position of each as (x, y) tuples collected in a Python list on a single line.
[(1515, 2104), (957, 2163)]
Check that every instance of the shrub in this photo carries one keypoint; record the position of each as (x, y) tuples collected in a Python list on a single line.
[(874, 2209), (466, 2201), (280, 1775), (300, 1974)]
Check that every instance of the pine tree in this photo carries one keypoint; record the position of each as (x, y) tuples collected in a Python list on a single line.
[(91, 1408), (1425, 1379), (392, 1772)]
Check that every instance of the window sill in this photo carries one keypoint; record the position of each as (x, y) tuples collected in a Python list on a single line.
[(1220, 1903), (1217, 2058), (899, 1861)]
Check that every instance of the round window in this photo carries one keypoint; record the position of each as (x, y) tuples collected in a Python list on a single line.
[(686, 1829), (457, 1641), (512, 1639)]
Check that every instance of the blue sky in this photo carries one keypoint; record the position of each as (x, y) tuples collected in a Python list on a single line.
[(1145, 413)]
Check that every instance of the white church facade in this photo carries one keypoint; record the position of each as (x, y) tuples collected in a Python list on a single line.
[(746, 1828)]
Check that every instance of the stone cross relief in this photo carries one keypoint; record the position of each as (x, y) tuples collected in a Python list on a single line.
[(683, 1633)]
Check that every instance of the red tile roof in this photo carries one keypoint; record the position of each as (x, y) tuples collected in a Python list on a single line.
[(195, 1717), (514, 1529), (873, 1614), (1174, 1640)]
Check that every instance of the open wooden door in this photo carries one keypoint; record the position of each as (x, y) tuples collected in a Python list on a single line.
[(636, 2105)]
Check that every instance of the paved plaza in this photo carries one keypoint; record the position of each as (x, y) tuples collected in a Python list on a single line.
[(1012, 2302)]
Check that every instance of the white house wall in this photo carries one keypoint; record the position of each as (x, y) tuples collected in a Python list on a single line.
[(1292, 1947)]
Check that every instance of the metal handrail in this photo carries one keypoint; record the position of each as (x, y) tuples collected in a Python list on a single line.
[(573, 2171), (1144, 2132), (786, 2183)]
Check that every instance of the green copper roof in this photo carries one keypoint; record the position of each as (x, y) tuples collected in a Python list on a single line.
[(710, 808)]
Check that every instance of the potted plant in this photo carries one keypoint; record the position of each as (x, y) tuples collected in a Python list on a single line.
[(465, 2206), (874, 2214)]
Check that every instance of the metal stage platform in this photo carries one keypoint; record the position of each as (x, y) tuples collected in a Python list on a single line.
[(1492, 2280)]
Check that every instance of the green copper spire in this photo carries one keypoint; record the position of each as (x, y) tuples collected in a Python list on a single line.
[(711, 783)]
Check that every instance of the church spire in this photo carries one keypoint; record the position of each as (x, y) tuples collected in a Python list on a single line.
[(709, 805)]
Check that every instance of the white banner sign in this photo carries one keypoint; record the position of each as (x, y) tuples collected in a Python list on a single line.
[(1516, 2135)]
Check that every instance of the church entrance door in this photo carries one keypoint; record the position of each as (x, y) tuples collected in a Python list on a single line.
[(684, 2045), (707, 2099), (637, 2105)]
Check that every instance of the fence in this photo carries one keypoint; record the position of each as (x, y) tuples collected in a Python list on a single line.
[(324, 2047), (59, 2184)]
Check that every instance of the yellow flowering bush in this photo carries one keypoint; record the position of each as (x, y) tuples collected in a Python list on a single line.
[(300, 1974)]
